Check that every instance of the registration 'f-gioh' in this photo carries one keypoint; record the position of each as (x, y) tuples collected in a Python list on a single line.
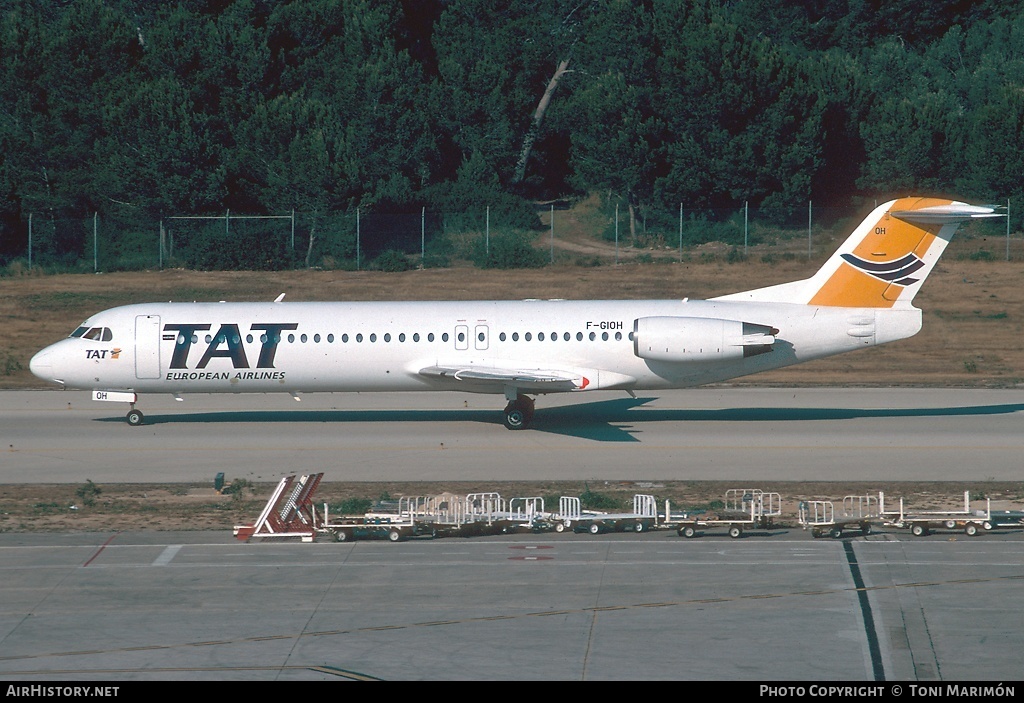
[(862, 296)]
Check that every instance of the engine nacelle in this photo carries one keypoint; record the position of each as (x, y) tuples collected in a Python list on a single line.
[(699, 339)]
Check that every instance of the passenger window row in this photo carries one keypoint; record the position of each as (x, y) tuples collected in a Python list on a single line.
[(402, 337)]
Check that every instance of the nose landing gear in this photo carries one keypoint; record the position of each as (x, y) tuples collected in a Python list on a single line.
[(134, 417)]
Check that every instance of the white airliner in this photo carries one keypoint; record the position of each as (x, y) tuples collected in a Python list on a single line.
[(860, 297)]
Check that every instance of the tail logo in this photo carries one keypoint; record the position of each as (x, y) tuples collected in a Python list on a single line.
[(897, 272)]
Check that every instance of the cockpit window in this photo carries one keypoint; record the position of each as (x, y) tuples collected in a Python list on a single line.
[(80, 331), (97, 334)]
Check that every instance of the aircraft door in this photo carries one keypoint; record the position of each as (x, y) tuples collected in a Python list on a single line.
[(481, 336), (461, 336), (147, 346)]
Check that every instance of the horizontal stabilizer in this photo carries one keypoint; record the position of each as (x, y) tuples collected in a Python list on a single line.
[(947, 214)]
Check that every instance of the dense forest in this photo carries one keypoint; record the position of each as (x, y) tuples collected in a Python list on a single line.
[(133, 111)]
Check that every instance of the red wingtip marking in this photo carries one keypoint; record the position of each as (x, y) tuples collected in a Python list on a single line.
[(586, 382)]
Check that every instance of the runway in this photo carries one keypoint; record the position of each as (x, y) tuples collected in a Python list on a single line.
[(773, 607), (744, 434)]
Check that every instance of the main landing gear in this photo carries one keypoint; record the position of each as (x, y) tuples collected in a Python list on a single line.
[(519, 413)]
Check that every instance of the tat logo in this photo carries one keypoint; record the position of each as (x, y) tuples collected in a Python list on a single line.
[(227, 343), (102, 353), (898, 271)]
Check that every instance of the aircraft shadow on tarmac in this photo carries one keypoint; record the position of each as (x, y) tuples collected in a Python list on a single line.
[(602, 421)]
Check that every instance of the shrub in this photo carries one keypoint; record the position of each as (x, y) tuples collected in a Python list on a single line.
[(392, 261), (9, 364), (735, 256), (88, 493), (512, 250), (352, 506), (598, 501)]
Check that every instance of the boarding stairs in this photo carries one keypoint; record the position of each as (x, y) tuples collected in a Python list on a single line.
[(288, 513)]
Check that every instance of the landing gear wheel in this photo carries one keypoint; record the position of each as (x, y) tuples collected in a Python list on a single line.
[(519, 413), (134, 417)]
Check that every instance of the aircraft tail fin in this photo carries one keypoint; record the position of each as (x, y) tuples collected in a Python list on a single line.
[(886, 259)]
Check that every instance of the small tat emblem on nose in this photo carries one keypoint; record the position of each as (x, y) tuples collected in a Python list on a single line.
[(115, 353)]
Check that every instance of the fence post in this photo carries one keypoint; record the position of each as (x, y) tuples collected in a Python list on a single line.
[(808, 229), (746, 221), (95, 247), (30, 241), (616, 234), (552, 233), (357, 239), (680, 233)]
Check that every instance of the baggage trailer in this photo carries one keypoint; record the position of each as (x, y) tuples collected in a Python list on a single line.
[(1004, 518), (489, 513), (528, 514), (745, 508), (923, 522), (408, 518), (819, 516), (570, 516)]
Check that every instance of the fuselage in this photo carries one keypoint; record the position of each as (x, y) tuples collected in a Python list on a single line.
[(385, 346)]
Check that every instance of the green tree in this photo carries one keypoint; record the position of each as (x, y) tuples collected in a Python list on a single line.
[(743, 121), (495, 64), (614, 120)]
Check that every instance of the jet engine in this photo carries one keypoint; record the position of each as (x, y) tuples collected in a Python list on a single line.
[(699, 339)]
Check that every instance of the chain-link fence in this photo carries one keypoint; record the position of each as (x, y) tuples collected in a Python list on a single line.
[(117, 241)]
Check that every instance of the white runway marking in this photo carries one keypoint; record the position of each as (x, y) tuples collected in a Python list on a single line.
[(167, 555)]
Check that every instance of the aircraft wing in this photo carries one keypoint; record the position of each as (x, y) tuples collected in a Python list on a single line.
[(496, 379)]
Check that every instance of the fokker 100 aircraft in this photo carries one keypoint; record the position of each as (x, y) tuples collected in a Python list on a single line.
[(860, 297)]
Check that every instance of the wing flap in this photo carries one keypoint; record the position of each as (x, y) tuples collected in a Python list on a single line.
[(526, 380)]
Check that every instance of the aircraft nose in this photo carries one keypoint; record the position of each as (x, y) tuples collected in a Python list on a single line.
[(41, 365)]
